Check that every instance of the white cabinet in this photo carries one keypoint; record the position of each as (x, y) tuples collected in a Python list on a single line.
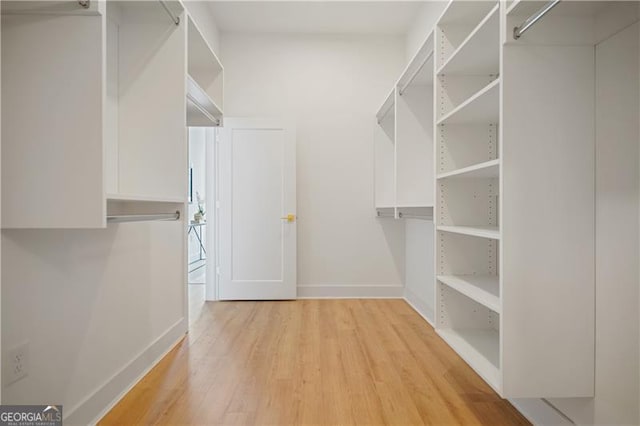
[(97, 103)]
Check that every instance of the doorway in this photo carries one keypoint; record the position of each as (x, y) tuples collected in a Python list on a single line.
[(201, 219)]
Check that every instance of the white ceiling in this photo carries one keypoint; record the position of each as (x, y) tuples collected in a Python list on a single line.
[(325, 17)]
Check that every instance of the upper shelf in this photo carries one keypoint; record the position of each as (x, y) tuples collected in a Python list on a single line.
[(419, 71), (479, 53), (482, 107), (386, 107), (459, 12), (203, 65), (201, 110)]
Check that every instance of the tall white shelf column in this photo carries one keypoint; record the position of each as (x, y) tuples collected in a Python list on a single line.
[(512, 133)]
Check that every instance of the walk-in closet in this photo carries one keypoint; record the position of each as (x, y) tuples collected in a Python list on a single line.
[(321, 212)]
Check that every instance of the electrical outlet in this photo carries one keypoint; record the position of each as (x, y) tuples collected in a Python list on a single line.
[(16, 363)]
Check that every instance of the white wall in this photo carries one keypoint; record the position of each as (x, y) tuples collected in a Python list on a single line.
[(422, 25), (331, 87), (96, 306)]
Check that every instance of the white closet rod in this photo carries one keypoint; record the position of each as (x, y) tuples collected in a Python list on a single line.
[(174, 18), (143, 217), (414, 216), (522, 28), (415, 74), (380, 214)]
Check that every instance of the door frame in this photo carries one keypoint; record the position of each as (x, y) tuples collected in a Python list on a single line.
[(257, 123)]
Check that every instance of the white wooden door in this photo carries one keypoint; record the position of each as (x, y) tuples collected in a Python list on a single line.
[(257, 210)]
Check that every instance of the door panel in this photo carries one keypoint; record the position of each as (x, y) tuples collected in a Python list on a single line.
[(258, 257)]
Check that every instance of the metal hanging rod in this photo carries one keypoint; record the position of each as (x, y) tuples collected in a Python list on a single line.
[(204, 112), (143, 217), (414, 216), (415, 74), (522, 28), (174, 18), (380, 214)]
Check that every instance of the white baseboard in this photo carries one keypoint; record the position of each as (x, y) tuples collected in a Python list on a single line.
[(419, 306), (540, 413), (100, 402), (333, 291)]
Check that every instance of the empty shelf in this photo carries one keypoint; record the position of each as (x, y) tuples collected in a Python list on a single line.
[(484, 289), (480, 348), (482, 107), (475, 231), (486, 170), (479, 53)]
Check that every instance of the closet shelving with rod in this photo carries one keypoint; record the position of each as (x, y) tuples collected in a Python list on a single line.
[(513, 128), (117, 137), (384, 152), (404, 142), (205, 80)]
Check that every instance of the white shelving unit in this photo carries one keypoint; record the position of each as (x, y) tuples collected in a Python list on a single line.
[(404, 142), (468, 303), (384, 146), (146, 147), (118, 133), (509, 267), (205, 81)]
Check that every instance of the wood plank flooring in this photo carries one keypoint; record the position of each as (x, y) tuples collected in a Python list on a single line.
[(312, 362)]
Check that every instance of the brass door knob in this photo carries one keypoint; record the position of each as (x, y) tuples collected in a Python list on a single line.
[(289, 218)]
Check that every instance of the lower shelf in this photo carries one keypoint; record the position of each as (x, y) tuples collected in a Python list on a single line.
[(480, 348)]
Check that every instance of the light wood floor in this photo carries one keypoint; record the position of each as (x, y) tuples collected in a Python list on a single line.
[(312, 362)]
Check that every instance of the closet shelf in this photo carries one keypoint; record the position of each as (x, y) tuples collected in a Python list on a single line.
[(479, 53), (484, 289), (482, 107), (464, 12), (201, 109), (129, 197), (419, 71), (386, 107), (491, 232), (488, 169), (480, 348)]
